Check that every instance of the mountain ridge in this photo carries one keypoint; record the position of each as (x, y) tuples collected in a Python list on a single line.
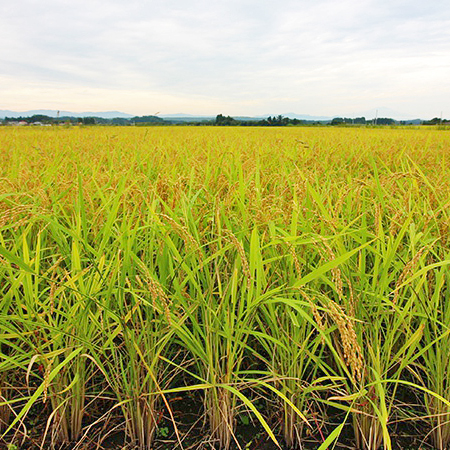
[(369, 115), (54, 113)]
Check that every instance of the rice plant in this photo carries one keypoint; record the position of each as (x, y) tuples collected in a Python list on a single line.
[(304, 266)]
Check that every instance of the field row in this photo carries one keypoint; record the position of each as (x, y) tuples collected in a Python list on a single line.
[(291, 280)]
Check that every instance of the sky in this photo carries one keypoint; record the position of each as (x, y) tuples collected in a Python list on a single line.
[(235, 57)]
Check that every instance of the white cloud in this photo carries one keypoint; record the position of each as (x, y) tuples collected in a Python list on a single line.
[(236, 57)]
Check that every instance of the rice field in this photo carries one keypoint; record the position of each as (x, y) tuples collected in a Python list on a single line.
[(293, 282)]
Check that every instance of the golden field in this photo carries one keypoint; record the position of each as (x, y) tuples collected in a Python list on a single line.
[(291, 279)]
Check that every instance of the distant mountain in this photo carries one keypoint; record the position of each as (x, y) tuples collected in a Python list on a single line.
[(368, 114), (54, 113), (292, 115), (183, 117)]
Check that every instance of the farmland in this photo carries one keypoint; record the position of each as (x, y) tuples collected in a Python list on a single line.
[(291, 280)]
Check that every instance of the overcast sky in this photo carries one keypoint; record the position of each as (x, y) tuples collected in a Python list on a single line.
[(237, 57)]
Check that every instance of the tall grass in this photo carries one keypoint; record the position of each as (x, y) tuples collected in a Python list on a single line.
[(305, 267)]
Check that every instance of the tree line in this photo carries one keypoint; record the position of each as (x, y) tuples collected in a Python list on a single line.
[(41, 118), (220, 120)]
